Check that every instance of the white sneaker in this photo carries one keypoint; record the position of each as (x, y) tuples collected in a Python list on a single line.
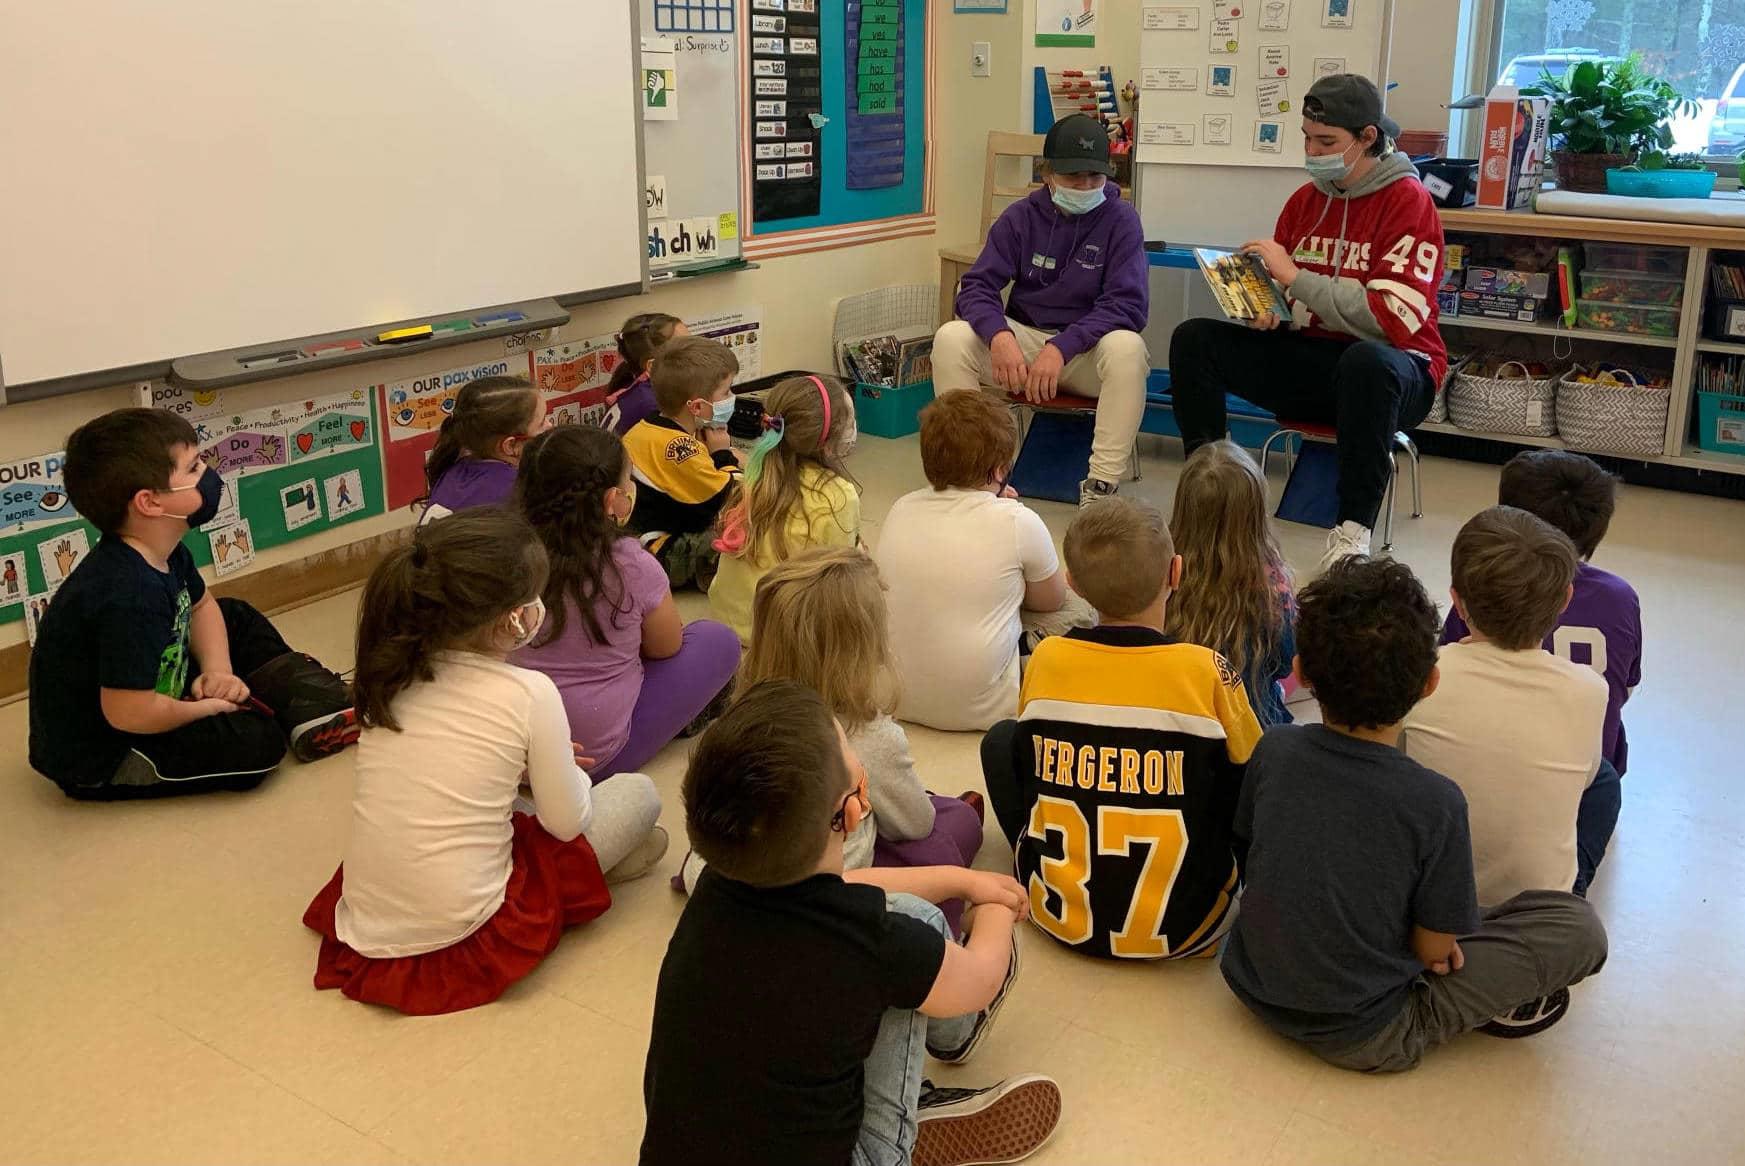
[(1343, 541), (1095, 490)]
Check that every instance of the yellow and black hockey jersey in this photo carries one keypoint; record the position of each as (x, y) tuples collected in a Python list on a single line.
[(680, 484), (1131, 750)]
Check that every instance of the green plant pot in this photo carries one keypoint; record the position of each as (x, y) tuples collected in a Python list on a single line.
[(1587, 172)]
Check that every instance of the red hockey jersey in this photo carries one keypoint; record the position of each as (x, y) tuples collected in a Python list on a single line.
[(1371, 259)]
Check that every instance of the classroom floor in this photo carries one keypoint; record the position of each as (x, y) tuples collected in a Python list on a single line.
[(157, 1004)]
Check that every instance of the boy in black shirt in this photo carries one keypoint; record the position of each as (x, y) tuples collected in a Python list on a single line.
[(791, 1017), (141, 684), (1359, 933)]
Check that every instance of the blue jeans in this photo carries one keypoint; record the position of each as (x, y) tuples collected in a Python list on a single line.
[(893, 1069), (1594, 822)]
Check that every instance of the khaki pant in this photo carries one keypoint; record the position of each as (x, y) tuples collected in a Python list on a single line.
[(1114, 373)]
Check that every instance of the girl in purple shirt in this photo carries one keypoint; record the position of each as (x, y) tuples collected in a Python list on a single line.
[(480, 444), (630, 398)]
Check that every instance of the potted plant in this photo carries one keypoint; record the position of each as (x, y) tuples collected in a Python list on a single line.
[(1605, 113)]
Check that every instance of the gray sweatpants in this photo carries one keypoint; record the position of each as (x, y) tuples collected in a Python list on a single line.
[(1527, 948)]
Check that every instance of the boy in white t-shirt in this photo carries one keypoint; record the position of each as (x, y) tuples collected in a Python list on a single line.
[(972, 573), (1517, 728)]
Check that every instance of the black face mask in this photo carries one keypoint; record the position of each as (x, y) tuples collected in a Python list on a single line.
[(211, 488)]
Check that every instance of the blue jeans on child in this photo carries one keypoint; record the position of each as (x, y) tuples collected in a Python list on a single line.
[(893, 1069), (1594, 822)]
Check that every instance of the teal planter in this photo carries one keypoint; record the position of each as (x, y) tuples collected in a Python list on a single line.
[(1661, 183)]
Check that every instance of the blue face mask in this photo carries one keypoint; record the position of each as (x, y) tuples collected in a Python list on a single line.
[(722, 410), (1328, 167), (1077, 202)]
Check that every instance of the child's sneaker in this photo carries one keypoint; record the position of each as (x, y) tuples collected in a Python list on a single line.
[(975, 802), (311, 702), (984, 1019), (1531, 1018), (640, 861), (1006, 1122), (710, 711)]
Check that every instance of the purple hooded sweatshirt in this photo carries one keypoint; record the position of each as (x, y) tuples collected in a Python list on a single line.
[(1079, 276)]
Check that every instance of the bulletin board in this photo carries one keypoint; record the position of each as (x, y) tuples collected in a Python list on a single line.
[(837, 121), (1221, 82), (690, 138)]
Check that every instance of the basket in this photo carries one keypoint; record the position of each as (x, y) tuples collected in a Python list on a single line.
[(1439, 403), (1621, 416), (1523, 405)]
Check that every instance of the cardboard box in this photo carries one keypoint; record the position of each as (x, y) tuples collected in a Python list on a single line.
[(1501, 281), (1448, 303), (1451, 281), (1454, 257), (1511, 156), (1523, 309)]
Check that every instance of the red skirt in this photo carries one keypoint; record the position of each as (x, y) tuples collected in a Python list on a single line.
[(552, 885)]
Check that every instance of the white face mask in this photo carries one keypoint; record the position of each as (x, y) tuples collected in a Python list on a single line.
[(526, 621)]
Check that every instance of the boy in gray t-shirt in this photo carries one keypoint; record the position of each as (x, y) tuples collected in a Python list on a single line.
[(1359, 933)]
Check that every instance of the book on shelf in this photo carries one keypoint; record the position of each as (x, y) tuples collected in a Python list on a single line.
[(1241, 285)]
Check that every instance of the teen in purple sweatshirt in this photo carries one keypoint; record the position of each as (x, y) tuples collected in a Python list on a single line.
[(1073, 254)]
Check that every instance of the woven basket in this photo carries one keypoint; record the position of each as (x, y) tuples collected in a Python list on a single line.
[(1523, 405), (1619, 417), (1439, 404)]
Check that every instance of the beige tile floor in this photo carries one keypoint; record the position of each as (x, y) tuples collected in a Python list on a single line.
[(157, 1005)]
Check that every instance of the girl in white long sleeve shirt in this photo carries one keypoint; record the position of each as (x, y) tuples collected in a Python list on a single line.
[(447, 894)]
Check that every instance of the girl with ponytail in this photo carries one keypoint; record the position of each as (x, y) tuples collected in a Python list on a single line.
[(630, 396), (796, 492), (631, 675), (479, 444), (453, 886)]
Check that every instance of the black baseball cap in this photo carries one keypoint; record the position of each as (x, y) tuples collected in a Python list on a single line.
[(1349, 102), (1078, 144)]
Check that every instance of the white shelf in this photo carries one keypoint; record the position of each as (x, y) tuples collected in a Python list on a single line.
[(1702, 459), (1508, 438), (1721, 348), (1695, 459), (1592, 335)]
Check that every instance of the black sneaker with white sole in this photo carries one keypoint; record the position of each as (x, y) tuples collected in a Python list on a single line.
[(984, 1018), (311, 703), (1531, 1018), (1006, 1122)]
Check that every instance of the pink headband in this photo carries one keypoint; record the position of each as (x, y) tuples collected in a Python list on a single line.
[(825, 394)]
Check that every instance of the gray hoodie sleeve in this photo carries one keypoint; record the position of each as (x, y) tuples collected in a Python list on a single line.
[(1341, 304), (900, 801)]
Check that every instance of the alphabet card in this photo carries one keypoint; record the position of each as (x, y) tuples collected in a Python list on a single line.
[(233, 547), (1275, 15), (14, 583), (1275, 60), (1224, 38), (1221, 81), (301, 504), (1217, 128), (1336, 13), (60, 554), (345, 494)]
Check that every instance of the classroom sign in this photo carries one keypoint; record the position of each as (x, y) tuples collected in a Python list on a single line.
[(42, 538), (573, 377), (414, 408)]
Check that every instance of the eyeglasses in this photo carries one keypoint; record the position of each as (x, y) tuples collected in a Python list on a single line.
[(839, 820)]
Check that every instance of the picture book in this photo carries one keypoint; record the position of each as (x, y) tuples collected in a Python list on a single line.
[(1241, 285)]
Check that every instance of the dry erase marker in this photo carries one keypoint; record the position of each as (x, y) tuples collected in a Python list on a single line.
[(333, 348), (402, 335), (499, 318), (453, 326)]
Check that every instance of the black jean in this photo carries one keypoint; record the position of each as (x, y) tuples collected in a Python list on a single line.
[(1368, 390), (232, 751), (1000, 772), (1594, 823)]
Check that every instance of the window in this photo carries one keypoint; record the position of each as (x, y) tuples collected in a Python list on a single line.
[(1698, 45)]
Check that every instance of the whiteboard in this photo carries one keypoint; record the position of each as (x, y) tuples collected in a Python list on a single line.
[(1196, 191), (697, 153), (199, 175)]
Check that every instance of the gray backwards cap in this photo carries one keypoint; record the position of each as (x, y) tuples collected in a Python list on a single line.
[(1349, 102)]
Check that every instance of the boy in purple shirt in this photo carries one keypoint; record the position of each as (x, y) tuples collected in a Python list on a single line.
[(1601, 627)]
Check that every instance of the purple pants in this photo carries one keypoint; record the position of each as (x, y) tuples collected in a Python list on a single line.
[(674, 691), (956, 837)]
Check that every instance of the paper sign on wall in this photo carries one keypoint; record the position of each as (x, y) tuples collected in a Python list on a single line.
[(14, 582), (683, 240), (60, 554), (1336, 13), (1227, 9), (660, 80), (233, 545), (345, 494), (1066, 23), (1275, 60), (739, 332), (1170, 19), (32, 492), (300, 503), (1221, 81), (1273, 98), (1217, 128), (1275, 15), (35, 607), (1170, 77), (1223, 38), (1157, 133), (1329, 66), (1269, 137), (654, 196)]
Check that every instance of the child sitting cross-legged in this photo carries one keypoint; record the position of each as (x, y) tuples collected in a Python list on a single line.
[(797, 1003), (632, 674), (1117, 783), (142, 683), (796, 493), (1360, 934), (683, 460), (449, 893), (630, 395), (480, 443), (1601, 627), (1515, 727)]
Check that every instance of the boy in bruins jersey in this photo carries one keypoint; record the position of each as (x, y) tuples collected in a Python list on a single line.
[(1117, 783)]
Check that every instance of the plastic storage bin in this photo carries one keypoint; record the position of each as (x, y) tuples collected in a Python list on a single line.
[(887, 412), (1661, 183), (1721, 422), (1637, 319), (1631, 287), (1633, 257)]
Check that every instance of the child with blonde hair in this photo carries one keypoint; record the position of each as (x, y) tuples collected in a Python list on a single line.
[(448, 893), (1235, 596), (796, 494), (480, 443), (630, 395)]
